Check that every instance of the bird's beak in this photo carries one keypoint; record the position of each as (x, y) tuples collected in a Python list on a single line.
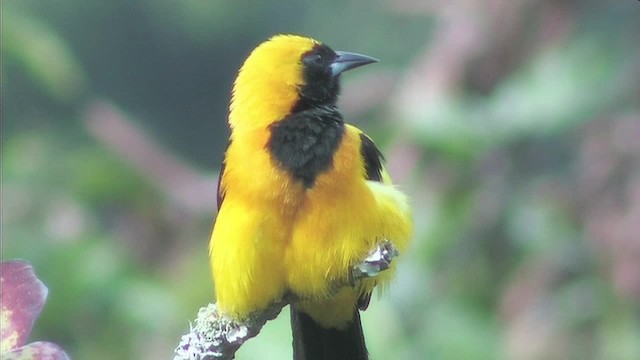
[(347, 61)]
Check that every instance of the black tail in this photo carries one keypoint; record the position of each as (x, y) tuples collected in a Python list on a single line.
[(313, 342)]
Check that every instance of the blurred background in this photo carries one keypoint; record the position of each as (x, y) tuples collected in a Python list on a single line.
[(514, 126)]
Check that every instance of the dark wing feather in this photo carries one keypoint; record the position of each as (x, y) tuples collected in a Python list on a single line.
[(372, 158), (220, 189)]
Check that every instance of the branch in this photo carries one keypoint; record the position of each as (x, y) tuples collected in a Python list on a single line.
[(215, 336), (185, 187)]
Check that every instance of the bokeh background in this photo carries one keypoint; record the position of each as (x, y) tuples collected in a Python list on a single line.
[(514, 126)]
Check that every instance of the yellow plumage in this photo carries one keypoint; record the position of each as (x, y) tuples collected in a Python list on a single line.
[(275, 235)]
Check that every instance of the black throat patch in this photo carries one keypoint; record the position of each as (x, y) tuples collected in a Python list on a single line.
[(304, 142)]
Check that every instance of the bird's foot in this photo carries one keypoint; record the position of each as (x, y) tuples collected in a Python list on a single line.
[(378, 261)]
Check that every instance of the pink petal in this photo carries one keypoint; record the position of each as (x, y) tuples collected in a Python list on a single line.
[(23, 295), (40, 350)]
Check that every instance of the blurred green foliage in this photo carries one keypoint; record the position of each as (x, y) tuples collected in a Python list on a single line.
[(513, 126)]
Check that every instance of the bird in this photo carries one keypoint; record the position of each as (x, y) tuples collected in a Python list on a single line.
[(303, 196)]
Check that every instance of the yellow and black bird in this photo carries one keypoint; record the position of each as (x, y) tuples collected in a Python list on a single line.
[(302, 198)]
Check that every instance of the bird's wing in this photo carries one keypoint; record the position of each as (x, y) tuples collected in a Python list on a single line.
[(221, 190), (372, 158)]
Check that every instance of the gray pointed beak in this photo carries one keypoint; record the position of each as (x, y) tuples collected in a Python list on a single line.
[(347, 61)]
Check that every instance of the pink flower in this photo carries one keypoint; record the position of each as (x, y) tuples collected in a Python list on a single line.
[(22, 296)]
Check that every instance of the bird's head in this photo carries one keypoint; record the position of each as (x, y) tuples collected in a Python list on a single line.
[(288, 73)]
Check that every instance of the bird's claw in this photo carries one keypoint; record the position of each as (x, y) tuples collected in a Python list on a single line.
[(378, 261)]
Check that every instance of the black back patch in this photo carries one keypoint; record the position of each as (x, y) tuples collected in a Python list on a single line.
[(304, 142), (372, 158)]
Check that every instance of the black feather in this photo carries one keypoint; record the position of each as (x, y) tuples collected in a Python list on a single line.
[(314, 342), (372, 158), (303, 143), (320, 86), (220, 190)]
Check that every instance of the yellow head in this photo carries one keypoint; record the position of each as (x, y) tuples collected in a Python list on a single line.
[(284, 74)]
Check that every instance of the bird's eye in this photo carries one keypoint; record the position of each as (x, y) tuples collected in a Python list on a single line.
[(313, 59)]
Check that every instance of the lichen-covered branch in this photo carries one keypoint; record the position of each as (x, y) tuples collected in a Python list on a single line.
[(214, 336)]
